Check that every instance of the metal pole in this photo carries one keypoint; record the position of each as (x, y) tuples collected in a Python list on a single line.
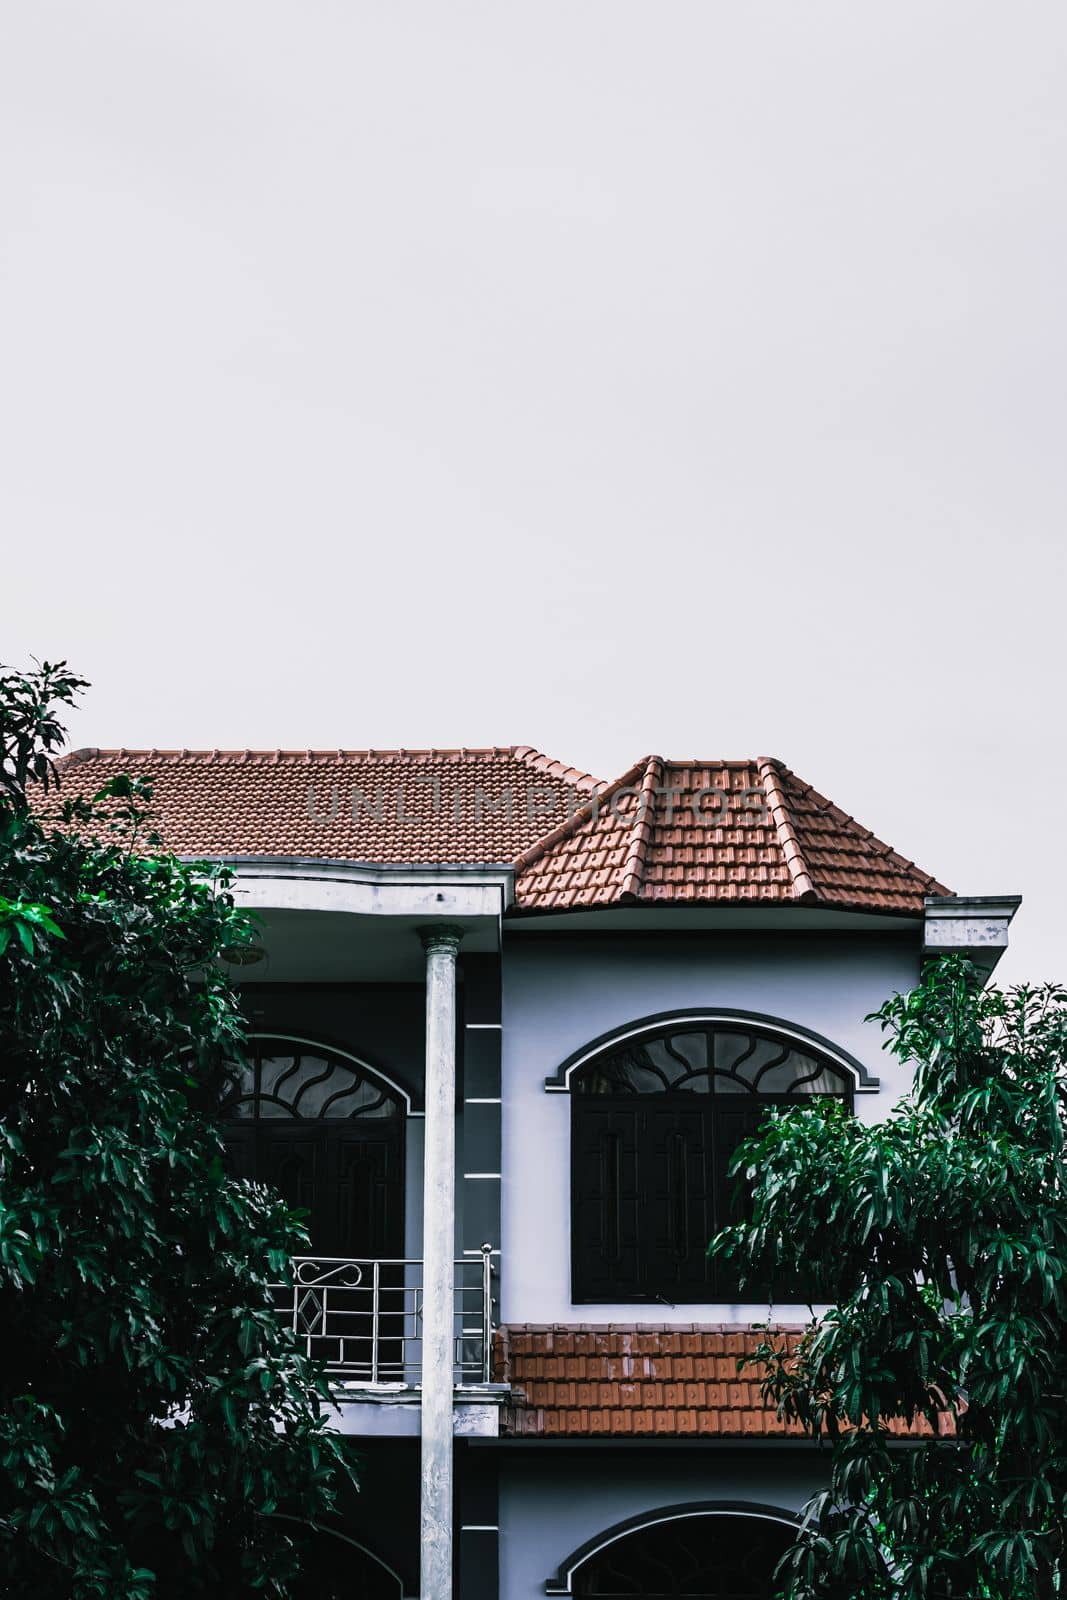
[(487, 1313), (438, 1229), (375, 1308)]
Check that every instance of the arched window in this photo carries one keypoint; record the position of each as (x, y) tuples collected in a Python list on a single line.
[(326, 1130), (656, 1118), (703, 1555), (335, 1567)]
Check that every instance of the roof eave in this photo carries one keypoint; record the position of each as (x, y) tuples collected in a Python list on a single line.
[(974, 926)]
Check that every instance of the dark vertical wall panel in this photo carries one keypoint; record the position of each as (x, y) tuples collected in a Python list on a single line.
[(482, 1178), (477, 1507)]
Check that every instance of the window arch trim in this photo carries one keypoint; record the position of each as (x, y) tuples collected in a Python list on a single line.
[(362, 1066), (561, 1081), (335, 1533), (562, 1580)]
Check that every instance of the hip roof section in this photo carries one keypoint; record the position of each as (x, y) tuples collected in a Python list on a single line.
[(746, 832), (667, 832)]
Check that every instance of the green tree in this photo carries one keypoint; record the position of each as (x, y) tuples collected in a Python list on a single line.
[(154, 1413), (941, 1238)]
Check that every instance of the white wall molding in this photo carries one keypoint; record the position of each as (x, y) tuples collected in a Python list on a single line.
[(296, 883)]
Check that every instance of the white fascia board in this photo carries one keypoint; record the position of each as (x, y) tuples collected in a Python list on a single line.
[(396, 1410), (641, 918), (440, 893)]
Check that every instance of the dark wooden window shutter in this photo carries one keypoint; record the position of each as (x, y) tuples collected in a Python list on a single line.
[(654, 1128)]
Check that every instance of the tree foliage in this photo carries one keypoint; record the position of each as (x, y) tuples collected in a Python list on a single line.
[(154, 1412), (941, 1237)]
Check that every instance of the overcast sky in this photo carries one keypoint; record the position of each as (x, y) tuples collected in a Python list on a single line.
[(607, 377)]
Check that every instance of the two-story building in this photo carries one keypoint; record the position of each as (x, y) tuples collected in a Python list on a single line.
[(509, 1024)]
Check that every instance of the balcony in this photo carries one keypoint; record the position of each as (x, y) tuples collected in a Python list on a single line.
[(363, 1319)]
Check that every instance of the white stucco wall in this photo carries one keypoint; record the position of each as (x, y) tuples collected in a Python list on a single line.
[(559, 993), (552, 1506)]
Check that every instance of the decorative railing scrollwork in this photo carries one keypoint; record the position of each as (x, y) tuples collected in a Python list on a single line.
[(363, 1319)]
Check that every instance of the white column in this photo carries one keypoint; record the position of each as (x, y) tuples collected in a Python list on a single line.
[(439, 1247)]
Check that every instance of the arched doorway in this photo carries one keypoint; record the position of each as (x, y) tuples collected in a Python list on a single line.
[(702, 1553), (327, 1131)]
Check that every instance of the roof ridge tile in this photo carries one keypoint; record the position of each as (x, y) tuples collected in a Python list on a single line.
[(803, 888), (574, 775), (634, 865), (589, 812), (279, 754)]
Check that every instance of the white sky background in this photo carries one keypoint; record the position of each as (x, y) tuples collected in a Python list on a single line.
[(608, 377)]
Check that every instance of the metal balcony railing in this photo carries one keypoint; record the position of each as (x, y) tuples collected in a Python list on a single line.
[(363, 1319)]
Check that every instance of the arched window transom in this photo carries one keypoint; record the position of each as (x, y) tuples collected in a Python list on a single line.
[(283, 1078), (712, 1059), (703, 1557)]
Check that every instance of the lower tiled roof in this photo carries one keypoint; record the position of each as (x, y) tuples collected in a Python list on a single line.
[(645, 1380)]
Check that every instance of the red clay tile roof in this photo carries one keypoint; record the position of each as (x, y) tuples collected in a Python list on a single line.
[(415, 807), (667, 832), (743, 832), (642, 1380)]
